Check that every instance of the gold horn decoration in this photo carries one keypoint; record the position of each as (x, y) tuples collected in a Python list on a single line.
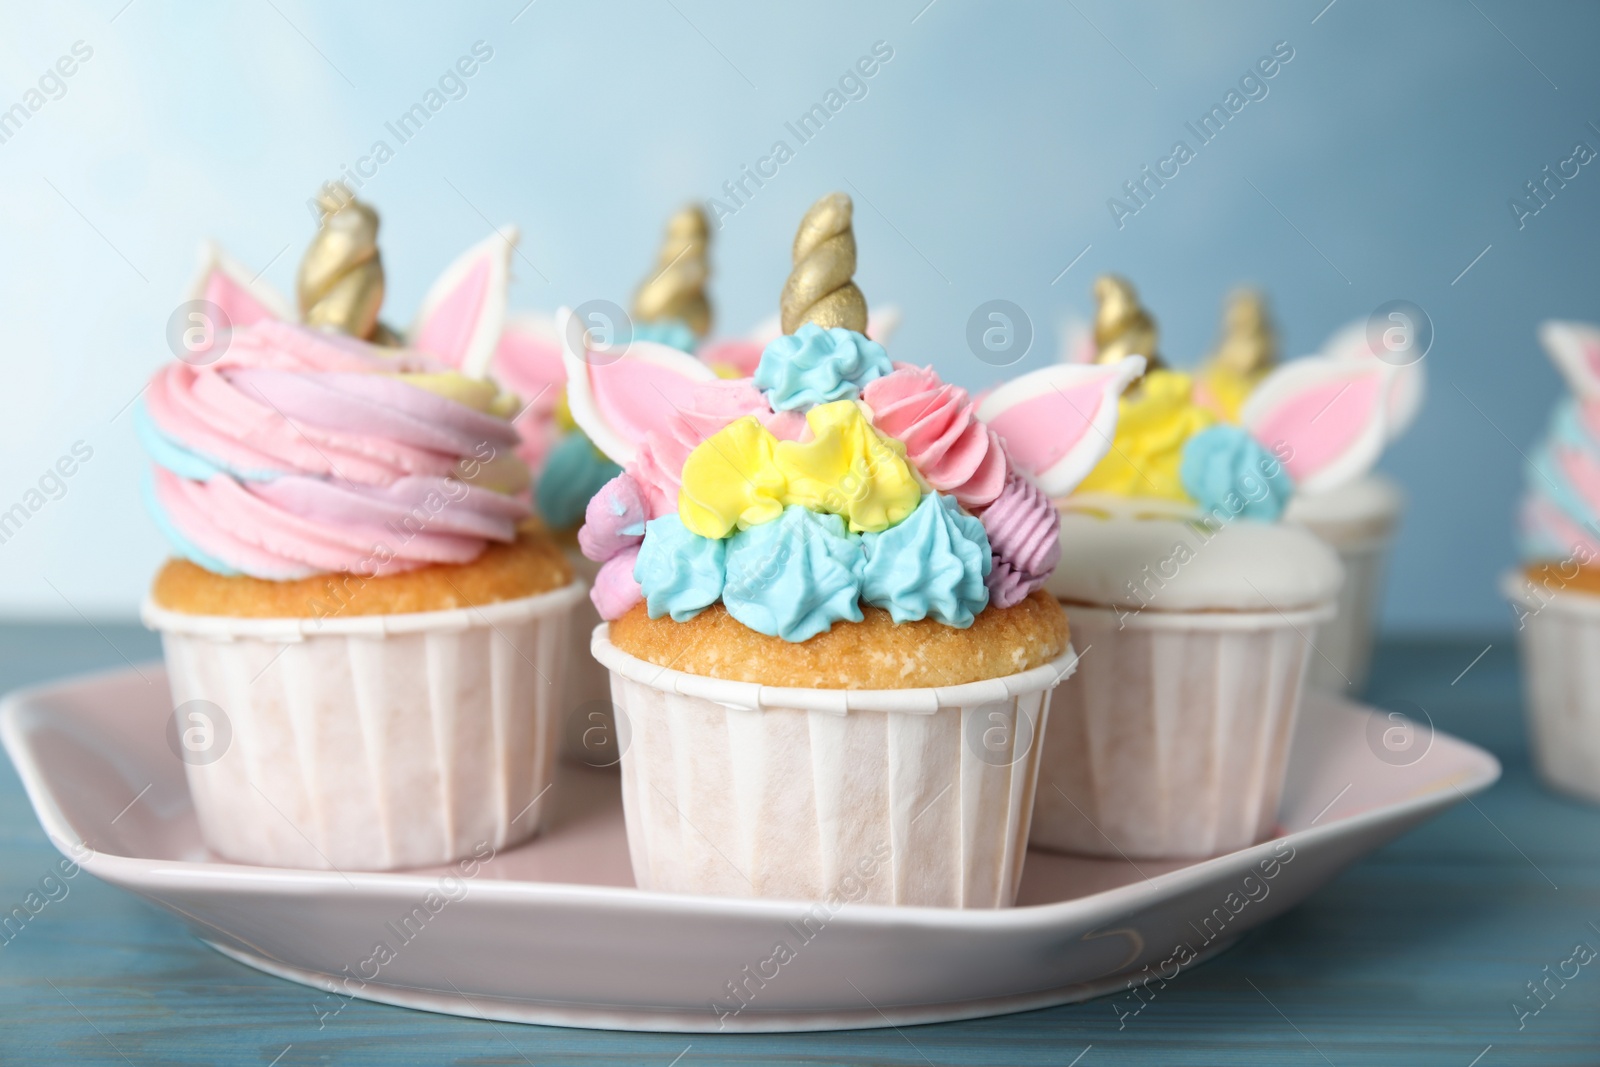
[(1249, 345), (340, 285), (676, 290), (820, 288), (1122, 327)]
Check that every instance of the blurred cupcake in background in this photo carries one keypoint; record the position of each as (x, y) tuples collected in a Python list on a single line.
[(1358, 518), (1193, 605), (826, 630), (353, 603), (1555, 595)]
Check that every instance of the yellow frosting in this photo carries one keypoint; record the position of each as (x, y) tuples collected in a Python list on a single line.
[(849, 469), (563, 413), (731, 480), (479, 394), (1152, 425), (1228, 390)]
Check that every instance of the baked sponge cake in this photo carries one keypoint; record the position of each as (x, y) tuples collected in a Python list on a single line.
[(822, 590)]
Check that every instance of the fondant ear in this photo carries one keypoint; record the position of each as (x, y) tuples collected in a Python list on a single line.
[(619, 397), (1077, 342), (1406, 386), (1323, 418), (1574, 348), (462, 315), (228, 284), (527, 359), (882, 324), (1058, 422)]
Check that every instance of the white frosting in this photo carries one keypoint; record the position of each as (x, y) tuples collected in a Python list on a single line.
[(1373, 499), (1164, 565)]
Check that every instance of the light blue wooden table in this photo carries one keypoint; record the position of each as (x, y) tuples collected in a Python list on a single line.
[(1414, 956)]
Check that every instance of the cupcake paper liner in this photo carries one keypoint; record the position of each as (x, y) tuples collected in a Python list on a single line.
[(911, 796), (1347, 638), (1560, 640), (1172, 741), (369, 742)]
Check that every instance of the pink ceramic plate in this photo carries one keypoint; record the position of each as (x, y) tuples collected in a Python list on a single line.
[(554, 932)]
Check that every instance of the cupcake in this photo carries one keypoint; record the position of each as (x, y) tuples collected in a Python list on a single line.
[(362, 637), (1556, 593), (825, 623), (670, 308), (1358, 518), (1192, 604)]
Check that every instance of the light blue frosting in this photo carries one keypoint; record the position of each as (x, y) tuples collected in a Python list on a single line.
[(574, 471), (672, 333), (1231, 475), (184, 461), (932, 565), (794, 577), (180, 544), (680, 572), (1546, 479), (816, 366)]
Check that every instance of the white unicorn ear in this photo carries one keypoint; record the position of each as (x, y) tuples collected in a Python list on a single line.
[(527, 358), (462, 315), (1058, 422), (227, 283), (881, 325), (1077, 342), (1574, 348), (619, 397), (1406, 387), (1323, 418)]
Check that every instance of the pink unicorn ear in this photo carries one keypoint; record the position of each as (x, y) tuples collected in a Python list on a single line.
[(527, 359), (1406, 387), (619, 397), (463, 314), (1058, 422), (1574, 348), (1323, 418), (226, 282)]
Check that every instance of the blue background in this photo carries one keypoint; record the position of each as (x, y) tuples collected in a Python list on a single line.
[(1378, 167)]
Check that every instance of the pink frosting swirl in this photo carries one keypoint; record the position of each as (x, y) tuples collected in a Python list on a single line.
[(1024, 531), (614, 590), (955, 452), (614, 519), (300, 452)]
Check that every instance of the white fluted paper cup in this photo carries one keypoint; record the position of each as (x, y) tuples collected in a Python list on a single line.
[(1172, 741), (908, 796), (1359, 522), (1560, 638), (371, 742), (588, 733)]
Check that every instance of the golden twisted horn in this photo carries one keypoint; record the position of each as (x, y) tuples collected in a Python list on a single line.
[(1122, 327), (1249, 345), (820, 288), (340, 285), (677, 289)]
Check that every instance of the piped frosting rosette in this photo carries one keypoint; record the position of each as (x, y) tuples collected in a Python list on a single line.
[(829, 480), (285, 451), (1560, 513)]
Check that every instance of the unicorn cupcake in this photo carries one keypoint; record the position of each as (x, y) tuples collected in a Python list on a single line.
[(1556, 593), (353, 616), (1193, 604), (826, 628)]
